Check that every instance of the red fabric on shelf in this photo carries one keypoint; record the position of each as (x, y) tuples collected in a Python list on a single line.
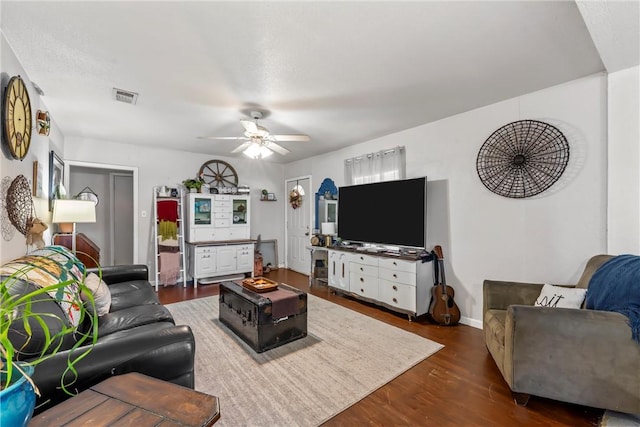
[(167, 210)]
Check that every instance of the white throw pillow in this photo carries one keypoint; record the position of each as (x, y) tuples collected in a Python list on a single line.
[(558, 296), (101, 293)]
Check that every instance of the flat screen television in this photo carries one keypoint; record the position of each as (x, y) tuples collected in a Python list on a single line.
[(391, 213)]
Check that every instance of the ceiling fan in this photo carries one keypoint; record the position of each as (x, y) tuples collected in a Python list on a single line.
[(259, 143)]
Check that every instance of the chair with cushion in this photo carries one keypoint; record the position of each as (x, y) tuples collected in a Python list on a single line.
[(575, 355)]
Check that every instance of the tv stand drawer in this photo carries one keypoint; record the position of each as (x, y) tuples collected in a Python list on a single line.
[(364, 269), (397, 295), (398, 276), (362, 285), (398, 264)]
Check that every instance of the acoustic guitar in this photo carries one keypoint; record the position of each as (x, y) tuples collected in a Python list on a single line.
[(443, 309)]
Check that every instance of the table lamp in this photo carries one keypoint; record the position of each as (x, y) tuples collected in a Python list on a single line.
[(73, 211), (328, 229)]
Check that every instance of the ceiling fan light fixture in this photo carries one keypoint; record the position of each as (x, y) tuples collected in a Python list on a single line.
[(256, 151)]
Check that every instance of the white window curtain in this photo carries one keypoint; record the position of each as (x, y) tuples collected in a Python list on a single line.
[(385, 165)]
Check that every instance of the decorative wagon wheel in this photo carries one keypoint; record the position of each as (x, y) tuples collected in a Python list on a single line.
[(522, 159), (218, 173)]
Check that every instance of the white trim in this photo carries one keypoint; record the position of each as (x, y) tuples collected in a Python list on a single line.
[(471, 322), (286, 213), (133, 170)]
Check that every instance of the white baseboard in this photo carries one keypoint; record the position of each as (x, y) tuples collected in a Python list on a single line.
[(471, 322)]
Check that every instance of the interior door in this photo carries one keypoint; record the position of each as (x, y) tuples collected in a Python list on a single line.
[(299, 226), (122, 218)]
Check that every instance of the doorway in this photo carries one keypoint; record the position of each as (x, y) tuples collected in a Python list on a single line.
[(116, 229), (121, 223), (298, 225)]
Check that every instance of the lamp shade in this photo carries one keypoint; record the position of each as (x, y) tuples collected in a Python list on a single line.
[(73, 211), (328, 228)]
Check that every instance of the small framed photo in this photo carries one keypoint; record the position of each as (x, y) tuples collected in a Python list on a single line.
[(271, 196)]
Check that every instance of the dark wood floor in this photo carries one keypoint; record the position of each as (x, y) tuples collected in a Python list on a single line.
[(460, 385)]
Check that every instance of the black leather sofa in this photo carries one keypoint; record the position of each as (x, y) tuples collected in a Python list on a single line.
[(137, 335)]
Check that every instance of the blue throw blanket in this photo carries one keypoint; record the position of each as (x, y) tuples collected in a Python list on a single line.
[(615, 286)]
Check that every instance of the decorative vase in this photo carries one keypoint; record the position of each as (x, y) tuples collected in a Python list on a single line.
[(18, 400)]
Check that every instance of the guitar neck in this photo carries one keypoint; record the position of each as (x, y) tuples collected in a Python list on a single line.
[(444, 280)]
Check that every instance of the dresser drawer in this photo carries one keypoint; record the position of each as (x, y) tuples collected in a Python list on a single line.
[(362, 285), (222, 198), (209, 234), (238, 233), (204, 250), (397, 295), (364, 269), (398, 276), (221, 223), (222, 215), (222, 207), (398, 264), (364, 259)]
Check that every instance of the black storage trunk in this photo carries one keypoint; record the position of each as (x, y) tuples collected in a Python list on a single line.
[(248, 315)]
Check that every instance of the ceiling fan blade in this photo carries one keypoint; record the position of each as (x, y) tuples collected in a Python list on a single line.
[(278, 149), (285, 138), (236, 138), (242, 147), (249, 126)]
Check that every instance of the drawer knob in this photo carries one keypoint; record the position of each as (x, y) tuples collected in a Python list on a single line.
[(395, 300), (395, 263), (361, 269), (362, 290), (395, 288), (362, 279), (395, 275)]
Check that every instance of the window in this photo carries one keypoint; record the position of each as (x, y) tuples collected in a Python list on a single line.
[(385, 165)]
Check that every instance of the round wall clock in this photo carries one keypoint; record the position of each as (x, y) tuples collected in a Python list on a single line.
[(523, 158), (16, 118)]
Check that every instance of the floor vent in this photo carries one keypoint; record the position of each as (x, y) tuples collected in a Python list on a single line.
[(125, 96)]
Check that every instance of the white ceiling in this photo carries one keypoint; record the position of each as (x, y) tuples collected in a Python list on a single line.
[(341, 72)]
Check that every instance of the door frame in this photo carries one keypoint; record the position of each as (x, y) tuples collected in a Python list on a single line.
[(286, 213), (133, 170)]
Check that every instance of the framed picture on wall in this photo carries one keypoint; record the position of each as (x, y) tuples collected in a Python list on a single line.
[(56, 177), (37, 179)]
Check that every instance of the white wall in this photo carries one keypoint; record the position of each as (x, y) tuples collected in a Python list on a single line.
[(39, 150), (547, 238), (171, 167), (624, 162)]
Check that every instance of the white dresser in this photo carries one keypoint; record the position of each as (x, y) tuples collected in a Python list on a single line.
[(401, 284), (216, 259)]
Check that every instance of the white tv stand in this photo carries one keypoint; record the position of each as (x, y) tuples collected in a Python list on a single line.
[(401, 283)]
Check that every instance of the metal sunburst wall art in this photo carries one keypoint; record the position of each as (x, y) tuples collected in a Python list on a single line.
[(522, 159)]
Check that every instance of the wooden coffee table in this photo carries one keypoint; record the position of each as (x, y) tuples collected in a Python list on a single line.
[(133, 400)]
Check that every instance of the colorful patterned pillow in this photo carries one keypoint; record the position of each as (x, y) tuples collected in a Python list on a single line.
[(49, 266)]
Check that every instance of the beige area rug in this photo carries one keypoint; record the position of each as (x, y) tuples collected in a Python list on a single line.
[(344, 357), (618, 419)]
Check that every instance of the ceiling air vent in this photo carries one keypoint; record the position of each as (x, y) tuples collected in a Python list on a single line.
[(125, 96)]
